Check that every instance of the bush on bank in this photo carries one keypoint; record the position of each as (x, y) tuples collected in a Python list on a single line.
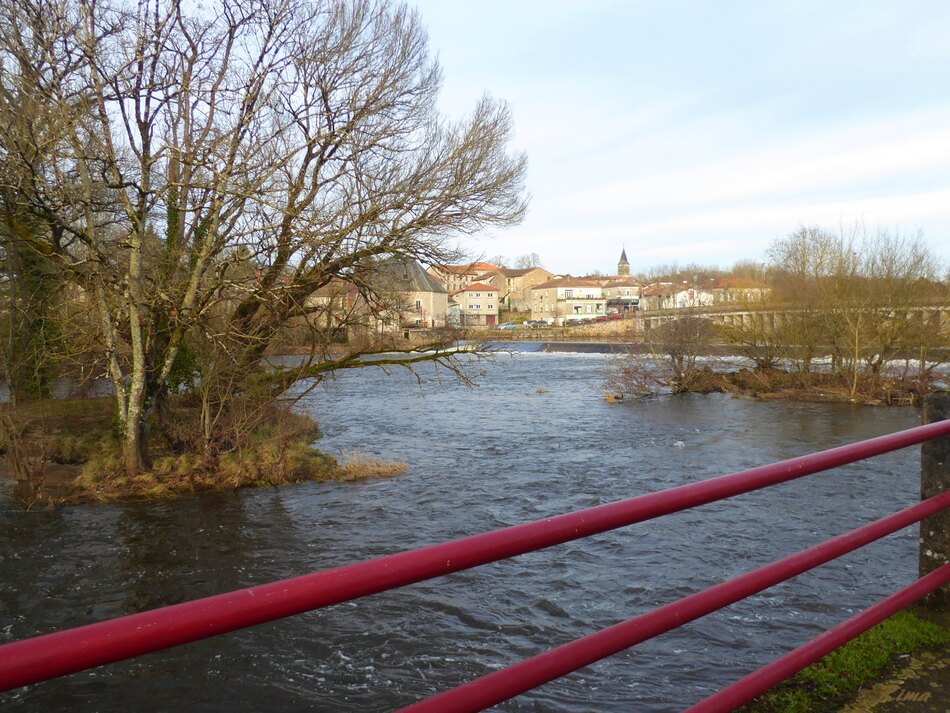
[(69, 451)]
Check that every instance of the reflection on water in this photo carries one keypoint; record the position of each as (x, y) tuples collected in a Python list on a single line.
[(497, 455)]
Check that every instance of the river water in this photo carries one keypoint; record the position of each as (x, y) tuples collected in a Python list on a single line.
[(534, 439)]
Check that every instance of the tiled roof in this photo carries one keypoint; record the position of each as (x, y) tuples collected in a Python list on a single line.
[(478, 267), (477, 287), (508, 272), (405, 275), (566, 281), (653, 290)]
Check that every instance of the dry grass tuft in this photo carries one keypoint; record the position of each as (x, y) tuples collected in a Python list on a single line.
[(359, 466)]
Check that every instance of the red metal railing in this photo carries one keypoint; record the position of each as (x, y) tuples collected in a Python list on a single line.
[(43, 657), (531, 673), (791, 663)]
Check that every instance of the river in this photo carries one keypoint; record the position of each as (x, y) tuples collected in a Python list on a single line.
[(534, 439)]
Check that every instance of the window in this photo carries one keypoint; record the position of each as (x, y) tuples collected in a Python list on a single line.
[(589, 310), (418, 305), (568, 294), (476, 306), (491, 306)]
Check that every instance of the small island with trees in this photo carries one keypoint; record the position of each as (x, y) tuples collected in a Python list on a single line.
[(177, 184)]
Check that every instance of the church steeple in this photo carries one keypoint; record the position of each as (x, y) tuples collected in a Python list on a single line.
[(623, 267)]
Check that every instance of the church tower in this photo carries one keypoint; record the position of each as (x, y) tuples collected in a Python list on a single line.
[(623, 267)]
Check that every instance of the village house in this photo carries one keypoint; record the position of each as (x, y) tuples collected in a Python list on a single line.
[(740, 291), (456, 277), (514, 286), (331, 309), (410, 297), (477, 305), (658, 295), (691, 297), (668, 295), (566, 297), (622, 295)]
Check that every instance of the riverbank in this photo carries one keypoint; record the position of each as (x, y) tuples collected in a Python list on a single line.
[(871, 671), (778, 384), (920, 683)]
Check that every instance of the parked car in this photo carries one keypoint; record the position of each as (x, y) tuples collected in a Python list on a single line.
[(601, 318), (572, 322), (615, 315), (508, 325)]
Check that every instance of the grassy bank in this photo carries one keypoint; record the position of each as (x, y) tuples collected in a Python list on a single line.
[(818, 386), (68, 451), (647, 375), (827, 684)]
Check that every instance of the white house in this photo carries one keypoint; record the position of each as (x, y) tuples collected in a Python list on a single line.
[(691, 297)]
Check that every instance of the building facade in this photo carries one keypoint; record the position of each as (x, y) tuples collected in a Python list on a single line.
[(622, 295), (563, 298), (410, 297), (457, 277), (514, 286), (477, 305)]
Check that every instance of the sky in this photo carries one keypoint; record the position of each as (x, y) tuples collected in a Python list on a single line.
[(700, 132)]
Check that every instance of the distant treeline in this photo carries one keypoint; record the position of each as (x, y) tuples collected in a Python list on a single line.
[(852, 302)]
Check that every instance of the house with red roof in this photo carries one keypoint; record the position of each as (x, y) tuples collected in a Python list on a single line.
[(455, 277), (514, 286)]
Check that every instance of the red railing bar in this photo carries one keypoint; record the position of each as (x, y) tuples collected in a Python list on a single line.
[(508, 682), (43, 657), (745, 689)]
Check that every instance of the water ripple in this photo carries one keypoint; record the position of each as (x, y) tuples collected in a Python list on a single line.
[(498, 455)]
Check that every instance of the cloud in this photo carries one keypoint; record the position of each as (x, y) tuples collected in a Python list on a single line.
[(700, 136)]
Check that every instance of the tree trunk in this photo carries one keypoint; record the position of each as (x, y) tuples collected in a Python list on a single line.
[(134, 451)]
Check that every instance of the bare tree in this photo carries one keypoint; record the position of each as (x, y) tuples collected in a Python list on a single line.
[(861, 296), (207, 170), (528, 260), (669, 360), (801, 265)]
